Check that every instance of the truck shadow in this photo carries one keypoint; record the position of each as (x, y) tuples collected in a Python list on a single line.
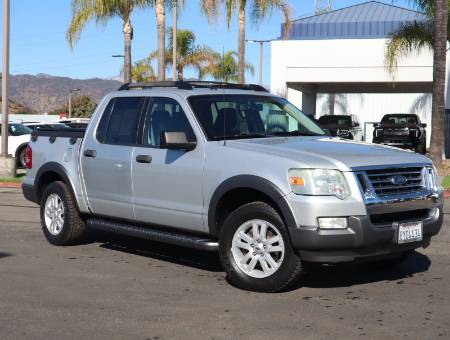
[(161, 251), (3, 254), (345, 275), (316, 276)]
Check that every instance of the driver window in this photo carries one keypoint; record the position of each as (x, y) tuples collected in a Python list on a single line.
[(165, 115)]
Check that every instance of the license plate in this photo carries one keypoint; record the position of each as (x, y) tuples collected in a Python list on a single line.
[(410, 232)]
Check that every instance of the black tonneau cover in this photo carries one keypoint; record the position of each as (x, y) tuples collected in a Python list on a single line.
[(67, 132)]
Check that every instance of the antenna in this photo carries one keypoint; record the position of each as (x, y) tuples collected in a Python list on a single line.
[(323, 6)]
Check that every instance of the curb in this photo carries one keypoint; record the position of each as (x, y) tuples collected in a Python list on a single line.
[(10, 185), (446, 193)]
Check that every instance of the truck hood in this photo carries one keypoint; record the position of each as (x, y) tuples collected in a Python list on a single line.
[(329, 153)]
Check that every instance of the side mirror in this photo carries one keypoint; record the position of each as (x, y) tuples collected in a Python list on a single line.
[(423, 125), (355, 124), (176, 141)]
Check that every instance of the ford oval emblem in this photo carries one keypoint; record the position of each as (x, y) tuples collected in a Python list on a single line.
[(398, 180)]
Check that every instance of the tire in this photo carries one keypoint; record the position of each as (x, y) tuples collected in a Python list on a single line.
[(20, 158), (263, 278), (68, 227), (421, 148)]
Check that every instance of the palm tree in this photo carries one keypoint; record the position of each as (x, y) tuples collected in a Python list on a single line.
[(142, 71), (224, 68), (259, 10), (430, 34), (160, 10), (188, 54), (101, 11)]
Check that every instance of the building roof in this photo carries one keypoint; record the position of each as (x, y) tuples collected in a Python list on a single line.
[(369, 20)]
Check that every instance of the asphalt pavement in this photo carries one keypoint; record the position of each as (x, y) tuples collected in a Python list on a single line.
[(121, 288)]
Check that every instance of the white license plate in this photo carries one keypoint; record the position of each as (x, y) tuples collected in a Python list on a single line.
[(410, 232)]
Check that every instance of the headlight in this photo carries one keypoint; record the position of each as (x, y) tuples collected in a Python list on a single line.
[(319, 182)]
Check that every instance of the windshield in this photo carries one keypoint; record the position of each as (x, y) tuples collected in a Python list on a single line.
[(249, 116), (399, 119), (339, 121), (18, 130)]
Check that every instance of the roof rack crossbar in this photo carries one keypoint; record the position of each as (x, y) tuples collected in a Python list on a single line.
[(190, 84)]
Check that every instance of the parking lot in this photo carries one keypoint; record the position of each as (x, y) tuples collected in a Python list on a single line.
[(123, 288)]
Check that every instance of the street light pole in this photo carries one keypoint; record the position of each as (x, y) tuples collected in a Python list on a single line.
[(174, 41), (70, 101), (5, 79), (261, 53), (120, 56)]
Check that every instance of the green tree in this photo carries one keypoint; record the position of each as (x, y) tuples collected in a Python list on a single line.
[(101, 11), (82, 107), (259, 9), (224, 68), (188, 53), (142, 71), (433, 34)]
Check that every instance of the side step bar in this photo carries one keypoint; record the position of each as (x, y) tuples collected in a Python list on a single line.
[(184, 240)]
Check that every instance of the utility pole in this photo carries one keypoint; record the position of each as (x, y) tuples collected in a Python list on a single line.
[(174, 41), (70, 101), (261, 53), (123, 57), (7, 164)]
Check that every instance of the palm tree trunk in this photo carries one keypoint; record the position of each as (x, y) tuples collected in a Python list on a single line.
[(180, 73), (241, 44), (439, 66), (161, 27), (128, 36), (331, 103)]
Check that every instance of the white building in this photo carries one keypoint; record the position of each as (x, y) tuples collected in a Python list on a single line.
[(342, 52)]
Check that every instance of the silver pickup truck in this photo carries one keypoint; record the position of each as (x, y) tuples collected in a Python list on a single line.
[(234, 169)]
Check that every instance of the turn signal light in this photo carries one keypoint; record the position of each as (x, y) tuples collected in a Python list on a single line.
[(297, 181)]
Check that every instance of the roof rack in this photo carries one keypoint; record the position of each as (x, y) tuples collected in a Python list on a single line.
[(191, 84)]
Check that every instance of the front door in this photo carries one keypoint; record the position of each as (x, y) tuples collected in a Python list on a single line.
[(106, 158), (167, 184)]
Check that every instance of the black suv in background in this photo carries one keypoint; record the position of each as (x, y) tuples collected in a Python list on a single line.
[(401, 130), (344, 126)]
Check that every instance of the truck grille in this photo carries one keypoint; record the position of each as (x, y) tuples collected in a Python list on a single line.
[(395, 181)]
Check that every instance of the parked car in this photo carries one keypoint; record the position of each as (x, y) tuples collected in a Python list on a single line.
[(34, 125), (18, 138), (234, 169), (344, 126), (402, 130)]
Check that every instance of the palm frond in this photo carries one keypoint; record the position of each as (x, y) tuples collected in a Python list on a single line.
[(409, 38), (262, 8)]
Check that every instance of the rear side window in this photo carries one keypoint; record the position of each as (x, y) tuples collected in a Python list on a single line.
[(122, 126)]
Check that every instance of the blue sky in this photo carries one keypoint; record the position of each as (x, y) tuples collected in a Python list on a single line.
[(38, 43)]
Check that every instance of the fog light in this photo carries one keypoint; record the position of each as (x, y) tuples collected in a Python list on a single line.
[(333, 222), (435, 213)]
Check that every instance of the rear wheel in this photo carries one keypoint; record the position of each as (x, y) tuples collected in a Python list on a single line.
[(255, 249), (60, 220)]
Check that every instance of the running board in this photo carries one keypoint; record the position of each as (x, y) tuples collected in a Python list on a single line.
[(179, 239)]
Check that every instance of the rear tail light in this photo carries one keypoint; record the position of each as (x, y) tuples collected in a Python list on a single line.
[(28, 157)]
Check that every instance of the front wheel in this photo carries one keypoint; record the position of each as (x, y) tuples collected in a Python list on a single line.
[(61, 222), (21, 158), (255, 249)]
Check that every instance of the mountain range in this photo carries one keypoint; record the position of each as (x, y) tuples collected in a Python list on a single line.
[(43, 93)]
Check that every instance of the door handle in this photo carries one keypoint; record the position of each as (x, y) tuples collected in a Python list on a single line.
[(90, 153), (144, 159)]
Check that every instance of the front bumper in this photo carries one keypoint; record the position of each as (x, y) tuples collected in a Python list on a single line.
[(361, 240), (370, 234)]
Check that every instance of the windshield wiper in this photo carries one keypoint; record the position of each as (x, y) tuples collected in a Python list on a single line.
[(295, 133), (247, 135)]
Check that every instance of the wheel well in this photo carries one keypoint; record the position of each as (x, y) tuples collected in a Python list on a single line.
[(45, 180), (235, 198)]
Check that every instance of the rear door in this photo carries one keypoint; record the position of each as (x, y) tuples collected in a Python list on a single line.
[(106, 158)]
